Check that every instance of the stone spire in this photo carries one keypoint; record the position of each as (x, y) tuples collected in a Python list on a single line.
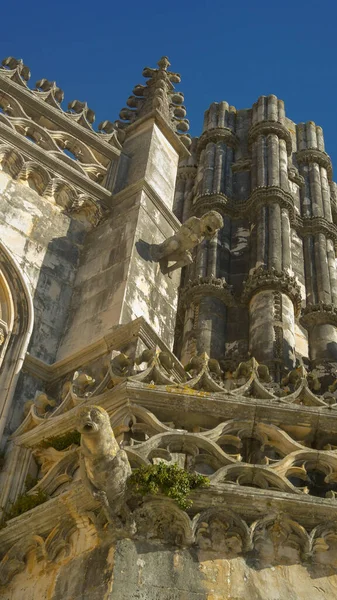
[(158, 94)]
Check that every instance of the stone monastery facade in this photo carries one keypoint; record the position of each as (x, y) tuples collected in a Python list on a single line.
[(165, 300)]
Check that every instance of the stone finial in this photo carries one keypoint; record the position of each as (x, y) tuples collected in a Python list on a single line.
[(15, 69), (158, 94)]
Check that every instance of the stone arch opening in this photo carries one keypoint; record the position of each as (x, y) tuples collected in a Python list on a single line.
[(16, 324)]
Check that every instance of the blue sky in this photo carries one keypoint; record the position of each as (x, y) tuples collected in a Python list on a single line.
[(234, 51)]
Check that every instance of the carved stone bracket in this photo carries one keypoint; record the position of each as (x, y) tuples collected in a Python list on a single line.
[(263, 279)]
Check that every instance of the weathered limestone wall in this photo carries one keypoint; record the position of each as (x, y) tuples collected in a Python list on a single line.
[(146, 571), (46, 244)]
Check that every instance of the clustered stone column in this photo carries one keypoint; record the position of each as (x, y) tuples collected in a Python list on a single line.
[(270, 289), (319, 238), (274, 261), (205, 292)]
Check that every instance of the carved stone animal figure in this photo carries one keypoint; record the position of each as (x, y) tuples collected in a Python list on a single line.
[(104, 466), (178, 247)]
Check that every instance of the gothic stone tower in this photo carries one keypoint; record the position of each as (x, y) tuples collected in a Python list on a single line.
[(225, 367)]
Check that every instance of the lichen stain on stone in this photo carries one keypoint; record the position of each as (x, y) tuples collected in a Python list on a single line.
[(185, 390)]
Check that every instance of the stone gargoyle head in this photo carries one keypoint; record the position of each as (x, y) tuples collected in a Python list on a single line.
[(92, 420), (211, 222)]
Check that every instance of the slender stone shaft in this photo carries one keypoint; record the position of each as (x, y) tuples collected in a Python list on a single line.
[(286, 240), (275, 238)]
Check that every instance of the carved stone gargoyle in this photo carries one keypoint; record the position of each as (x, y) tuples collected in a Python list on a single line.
[(104, 466), (177, 248)]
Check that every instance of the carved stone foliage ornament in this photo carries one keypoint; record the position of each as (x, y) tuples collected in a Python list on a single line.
[(177, 248)]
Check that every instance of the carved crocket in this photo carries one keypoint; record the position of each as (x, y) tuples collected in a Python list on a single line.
[(104, 466), (177, 248)]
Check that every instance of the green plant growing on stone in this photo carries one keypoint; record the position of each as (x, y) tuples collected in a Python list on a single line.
[(170, 480), (63, 442), (25, 502)]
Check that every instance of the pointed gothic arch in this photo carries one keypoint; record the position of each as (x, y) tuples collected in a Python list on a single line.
[(16, 324)]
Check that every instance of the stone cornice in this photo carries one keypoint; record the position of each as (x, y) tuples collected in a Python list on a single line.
[(313, 155), (207, 286), (270, 279), (215, 135), (319, 314), (231, 483), (271, 127)]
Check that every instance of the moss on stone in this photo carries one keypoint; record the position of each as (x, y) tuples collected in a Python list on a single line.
[(63, 442), (170, 480)]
